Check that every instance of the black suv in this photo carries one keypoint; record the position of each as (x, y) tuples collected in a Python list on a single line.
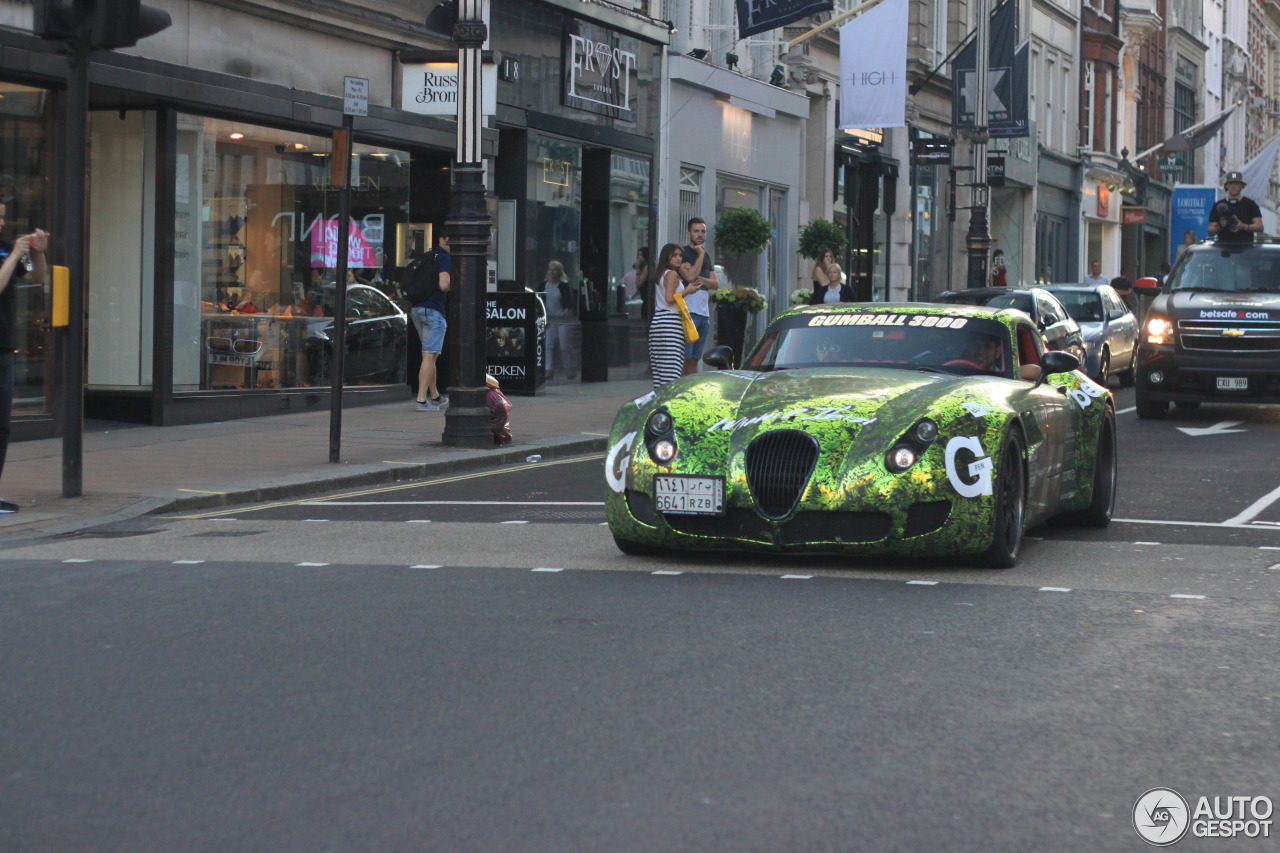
[(1212, 334)]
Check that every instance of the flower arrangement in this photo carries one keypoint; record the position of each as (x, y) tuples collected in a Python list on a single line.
[(746, 298), (802, 297)]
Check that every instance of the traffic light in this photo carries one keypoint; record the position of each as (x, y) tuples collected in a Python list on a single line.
[(106, 23)]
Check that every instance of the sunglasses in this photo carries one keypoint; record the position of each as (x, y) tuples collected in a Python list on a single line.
[(240, 346)]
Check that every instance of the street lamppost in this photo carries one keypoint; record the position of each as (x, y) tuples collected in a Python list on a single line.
[(978, 238), (1138, 177), (466, 420)]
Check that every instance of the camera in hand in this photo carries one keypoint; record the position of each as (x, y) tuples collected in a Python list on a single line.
[(1225, 212)]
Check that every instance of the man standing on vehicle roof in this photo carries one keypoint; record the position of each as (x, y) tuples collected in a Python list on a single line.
[(1235, 218)]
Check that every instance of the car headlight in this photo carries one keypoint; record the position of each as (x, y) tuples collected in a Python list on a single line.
[(925, 431), (1159, 330), (660, 423), (901, 457)]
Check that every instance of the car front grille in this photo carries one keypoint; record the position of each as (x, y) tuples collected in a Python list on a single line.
[(1242, 336), (779, 464)]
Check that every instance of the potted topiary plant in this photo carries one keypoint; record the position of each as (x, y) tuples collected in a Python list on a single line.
[(739, 231), (818, 237)]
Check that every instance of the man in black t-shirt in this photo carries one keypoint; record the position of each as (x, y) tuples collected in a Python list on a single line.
[(12, 268), (1236, 218)]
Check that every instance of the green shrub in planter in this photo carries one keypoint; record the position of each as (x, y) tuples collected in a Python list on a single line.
[(742, 231), (818, 236)]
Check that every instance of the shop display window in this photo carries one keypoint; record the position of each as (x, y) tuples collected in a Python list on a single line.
[(255, 259), (25, 169)]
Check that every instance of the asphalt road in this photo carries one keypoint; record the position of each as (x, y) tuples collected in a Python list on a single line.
[(397, 669)]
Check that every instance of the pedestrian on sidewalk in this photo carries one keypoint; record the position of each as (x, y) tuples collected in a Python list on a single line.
[(666, 329), (29, 248), (428, 313), (701, 279)]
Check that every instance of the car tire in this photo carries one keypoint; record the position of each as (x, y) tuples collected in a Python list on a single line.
[(1008, 512), (1104, 369), (1098, 513), (1150, 409), (635, 549), (1189, 405), (1129, 378)]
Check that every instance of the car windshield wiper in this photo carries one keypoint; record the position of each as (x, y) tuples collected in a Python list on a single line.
[(925, 369), (1202, 290)]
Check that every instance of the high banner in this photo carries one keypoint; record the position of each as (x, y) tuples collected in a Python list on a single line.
[(757, 16), (873, 68), (1189, 221), (1007, 75)]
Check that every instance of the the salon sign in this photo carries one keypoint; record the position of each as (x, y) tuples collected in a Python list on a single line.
[(431, 88), (599, 70)]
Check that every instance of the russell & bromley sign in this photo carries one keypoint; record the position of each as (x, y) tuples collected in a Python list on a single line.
[(431, 88)]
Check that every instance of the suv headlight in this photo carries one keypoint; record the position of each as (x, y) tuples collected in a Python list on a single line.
[(1159, 330)]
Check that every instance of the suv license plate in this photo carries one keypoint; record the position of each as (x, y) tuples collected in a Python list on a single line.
[(683, 495), (1233, 383)]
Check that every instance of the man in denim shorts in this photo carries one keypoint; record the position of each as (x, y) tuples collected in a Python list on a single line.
[(428, 319), (703, 278)]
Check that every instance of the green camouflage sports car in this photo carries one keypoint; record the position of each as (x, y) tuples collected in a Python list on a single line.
[(867, 429)]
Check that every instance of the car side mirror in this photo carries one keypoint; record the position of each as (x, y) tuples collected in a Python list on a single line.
[(1147, 286), (721, 358), (1058, 361), (1115, 313)]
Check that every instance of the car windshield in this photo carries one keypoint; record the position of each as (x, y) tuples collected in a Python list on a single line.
[(1227, 270), (960, 345), (1021, 301), (1084, 306)]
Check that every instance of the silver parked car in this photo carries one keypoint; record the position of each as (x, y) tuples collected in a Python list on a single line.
[(1110, 329)]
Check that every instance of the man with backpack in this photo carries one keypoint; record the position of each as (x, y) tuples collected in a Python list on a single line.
[(426, 281)]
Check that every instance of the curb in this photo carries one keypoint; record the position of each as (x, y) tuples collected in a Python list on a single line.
[(310, 484)]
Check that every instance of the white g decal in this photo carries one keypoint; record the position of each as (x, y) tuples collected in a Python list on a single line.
[(979, 468), (615, 466), (1086, 393)]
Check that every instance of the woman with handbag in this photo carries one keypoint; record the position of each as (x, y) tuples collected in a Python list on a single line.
[(666, 329)]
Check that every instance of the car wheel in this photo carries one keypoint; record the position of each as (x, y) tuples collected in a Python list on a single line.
[(1129, 378), (1104, 369), (635, 549), (1188, 405), (1150, 409), (1104, 477), (1009, 511)]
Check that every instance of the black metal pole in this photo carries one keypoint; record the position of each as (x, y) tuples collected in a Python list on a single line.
[(978, 240), (74, 234), (340, 171), (466, 421)]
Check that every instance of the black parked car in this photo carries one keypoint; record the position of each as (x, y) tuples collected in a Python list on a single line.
[(1051, 318), (377, 337)]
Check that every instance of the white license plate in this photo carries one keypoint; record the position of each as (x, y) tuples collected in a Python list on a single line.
[(1233, 383), (684, 495)]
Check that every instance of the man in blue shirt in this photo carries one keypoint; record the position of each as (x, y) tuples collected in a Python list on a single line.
[(429, 320)]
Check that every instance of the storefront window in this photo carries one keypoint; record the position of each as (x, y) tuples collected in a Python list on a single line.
[(256, 225), (24, 173), (628, 234)]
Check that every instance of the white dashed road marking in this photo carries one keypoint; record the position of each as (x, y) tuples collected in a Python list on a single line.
[(1054, 589), (666, 572), (313, 565), (1179, 595), (922, 583), (546, 570), (515, 522), (77, 560), (797, 577), (426, 567), (187, 562)]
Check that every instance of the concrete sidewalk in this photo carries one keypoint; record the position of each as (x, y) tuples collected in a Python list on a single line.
[(133, 470)]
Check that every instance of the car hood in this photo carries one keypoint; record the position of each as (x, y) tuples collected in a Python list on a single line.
[(1225, 306), (725, 411)]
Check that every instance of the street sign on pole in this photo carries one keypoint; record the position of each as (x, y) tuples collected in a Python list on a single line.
[(355, 96)]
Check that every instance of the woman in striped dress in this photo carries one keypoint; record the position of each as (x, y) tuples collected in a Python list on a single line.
[(666, 331)]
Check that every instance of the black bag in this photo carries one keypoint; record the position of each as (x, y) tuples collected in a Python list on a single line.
[(421, 280)]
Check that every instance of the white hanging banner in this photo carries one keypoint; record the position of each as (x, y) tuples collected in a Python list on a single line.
[(873, 68)]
